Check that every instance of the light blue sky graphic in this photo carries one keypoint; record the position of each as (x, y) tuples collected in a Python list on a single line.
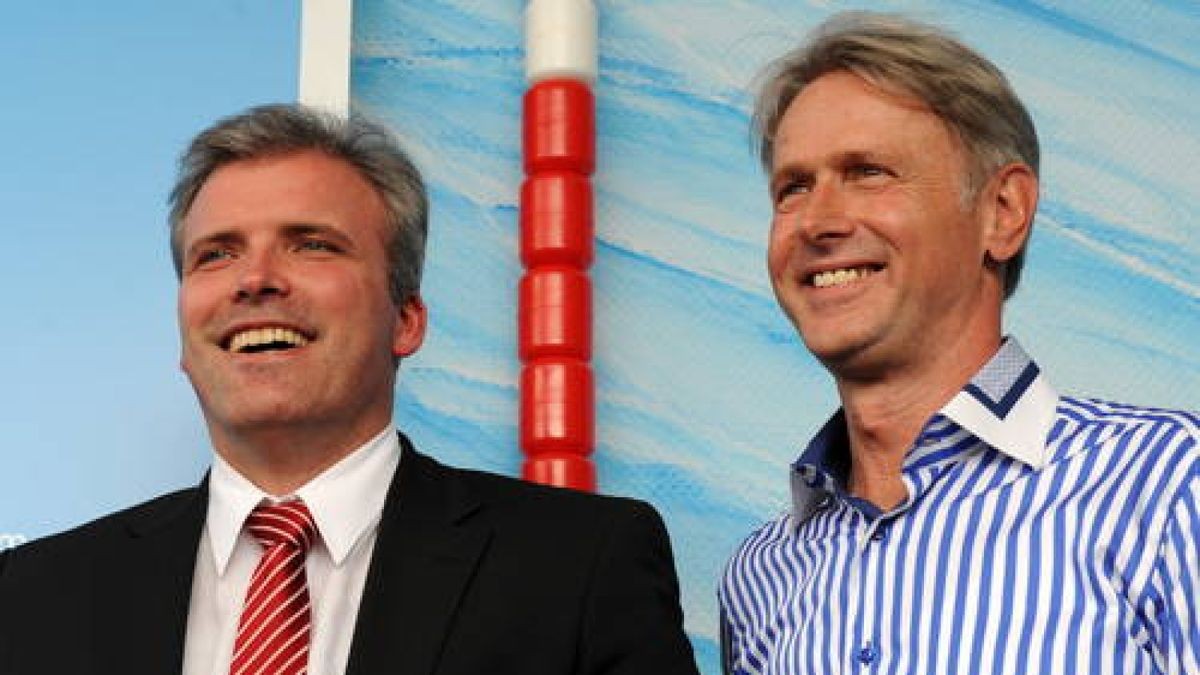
[(704, 392), (98, 101)]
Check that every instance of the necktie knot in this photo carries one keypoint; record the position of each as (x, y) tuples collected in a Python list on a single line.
[(286, 523)]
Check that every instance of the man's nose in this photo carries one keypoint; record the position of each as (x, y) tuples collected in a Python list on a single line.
[(824, 216), (260, 275)]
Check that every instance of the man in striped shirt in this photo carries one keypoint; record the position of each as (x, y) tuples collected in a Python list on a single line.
[(956, 514)]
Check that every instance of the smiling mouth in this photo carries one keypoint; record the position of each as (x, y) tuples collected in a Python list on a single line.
[(842, 276), (258, 340)]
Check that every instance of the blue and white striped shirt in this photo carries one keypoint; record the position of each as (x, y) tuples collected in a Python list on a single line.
[(1040, 535)]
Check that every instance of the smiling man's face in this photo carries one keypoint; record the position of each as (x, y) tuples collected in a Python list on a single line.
[(873, 253), (285, 315)]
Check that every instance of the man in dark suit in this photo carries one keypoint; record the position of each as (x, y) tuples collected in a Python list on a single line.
[(321, 541)]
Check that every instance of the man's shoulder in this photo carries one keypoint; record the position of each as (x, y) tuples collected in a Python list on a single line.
[(1137, 427), (78, 544), (1100, 411), (508, 495), (762, 541), (561, 532), (523, 514), (1155, 449)]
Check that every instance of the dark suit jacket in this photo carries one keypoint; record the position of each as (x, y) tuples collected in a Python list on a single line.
[(471, 573)]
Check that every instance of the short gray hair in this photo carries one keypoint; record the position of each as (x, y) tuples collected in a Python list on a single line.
[(282, 129), (967, 91)]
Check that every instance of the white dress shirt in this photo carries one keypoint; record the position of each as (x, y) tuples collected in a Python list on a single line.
[(346, 501)]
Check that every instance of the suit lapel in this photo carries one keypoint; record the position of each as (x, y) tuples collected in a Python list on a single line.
[(143, 588), (427, 549)]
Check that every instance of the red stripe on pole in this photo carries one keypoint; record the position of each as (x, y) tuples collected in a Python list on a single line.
[(556, 219), (556, 408), (555, 314), (559, 130), (557, 425)]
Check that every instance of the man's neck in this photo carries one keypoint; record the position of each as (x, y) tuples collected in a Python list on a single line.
[(885, 415), (279, 460)]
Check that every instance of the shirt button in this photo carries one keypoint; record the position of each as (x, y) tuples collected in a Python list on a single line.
[(880, 533), (867, 654)]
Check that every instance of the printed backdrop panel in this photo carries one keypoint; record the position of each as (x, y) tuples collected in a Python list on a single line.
[(704, 393)]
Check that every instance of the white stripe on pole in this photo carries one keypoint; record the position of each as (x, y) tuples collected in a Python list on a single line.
[(325, 54), (560, 40)]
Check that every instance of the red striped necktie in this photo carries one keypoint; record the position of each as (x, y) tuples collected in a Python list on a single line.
[(273, 633)]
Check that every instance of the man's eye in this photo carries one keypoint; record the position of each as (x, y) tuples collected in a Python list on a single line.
[(211, 255), (318, 245), (867, 171), (789, 188)]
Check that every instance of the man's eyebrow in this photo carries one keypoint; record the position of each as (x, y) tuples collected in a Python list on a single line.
[(839, 158), (314, 229), (789, 169), (307, 228), (858, 156)]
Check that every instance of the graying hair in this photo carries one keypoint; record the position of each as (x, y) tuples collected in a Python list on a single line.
[(282, 129), (968, 92)]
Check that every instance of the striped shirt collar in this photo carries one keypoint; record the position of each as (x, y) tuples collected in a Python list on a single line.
[(1008, 405)]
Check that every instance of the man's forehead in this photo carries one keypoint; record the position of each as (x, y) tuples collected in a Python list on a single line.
[(853, 88), (844, 113), (273, 185)]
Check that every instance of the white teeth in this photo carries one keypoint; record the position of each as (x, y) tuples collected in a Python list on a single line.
[(262, 336), (840, 277)]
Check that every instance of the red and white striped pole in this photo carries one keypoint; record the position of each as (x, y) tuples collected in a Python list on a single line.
[(555, 296)]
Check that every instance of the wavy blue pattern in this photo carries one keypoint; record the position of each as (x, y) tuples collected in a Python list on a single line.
[(704, 392)]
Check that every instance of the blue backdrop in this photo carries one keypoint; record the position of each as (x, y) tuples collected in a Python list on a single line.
[(704, 393)]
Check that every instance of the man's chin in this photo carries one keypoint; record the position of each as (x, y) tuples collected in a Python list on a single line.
[(833, 341), (844, 354), (242, 415)]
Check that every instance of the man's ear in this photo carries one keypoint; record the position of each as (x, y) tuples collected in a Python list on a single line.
[(1013, 199), (409, 333)]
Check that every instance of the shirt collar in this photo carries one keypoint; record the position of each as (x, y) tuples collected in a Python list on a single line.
[(345, 500), (1008, 404), (822, 469)]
